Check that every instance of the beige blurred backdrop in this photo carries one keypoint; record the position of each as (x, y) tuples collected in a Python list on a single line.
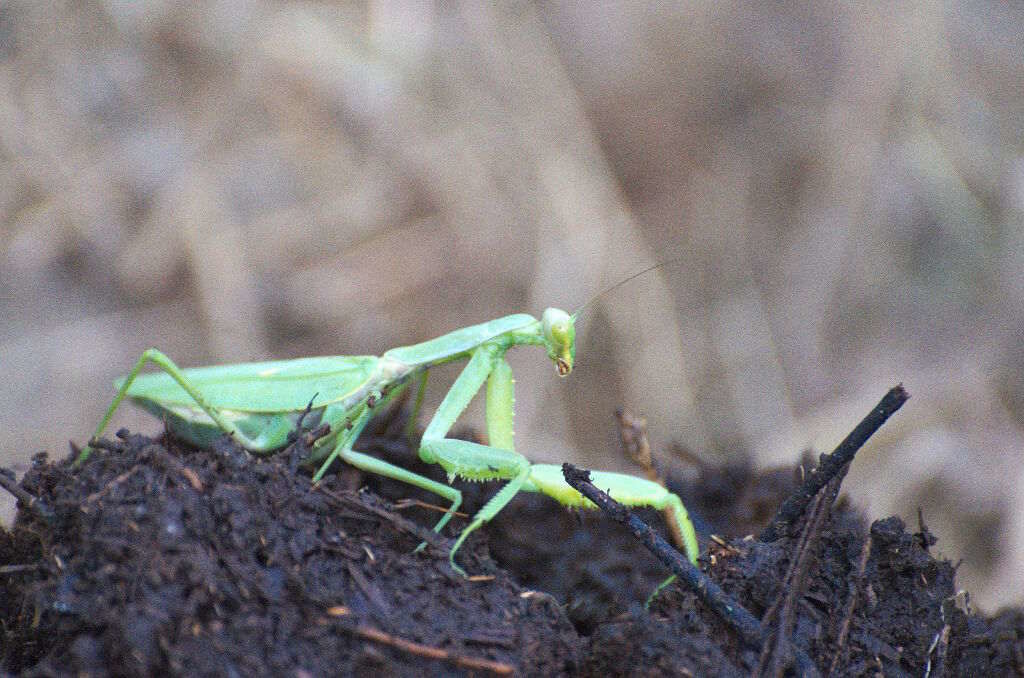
[(841, 189)]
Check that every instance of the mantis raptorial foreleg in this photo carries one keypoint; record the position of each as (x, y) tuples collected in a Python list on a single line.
[(474, 461), (499, 460)]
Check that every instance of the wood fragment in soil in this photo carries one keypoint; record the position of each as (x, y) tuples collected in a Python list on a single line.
[(377, 636), (855, 585)]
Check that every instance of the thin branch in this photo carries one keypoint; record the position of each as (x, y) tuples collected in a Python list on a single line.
[(13, 569), (796, 582), (24, 497), (731, 612), (85, 505), (419, 650), (832, 464), (851, 606)]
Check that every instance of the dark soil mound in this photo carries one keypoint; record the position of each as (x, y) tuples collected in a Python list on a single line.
[(160, 558)]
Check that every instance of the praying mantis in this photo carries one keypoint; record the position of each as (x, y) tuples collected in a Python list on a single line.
[(260, 404)]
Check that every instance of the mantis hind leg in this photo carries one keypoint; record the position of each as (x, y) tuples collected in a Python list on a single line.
[(157, 358), (628, 490)]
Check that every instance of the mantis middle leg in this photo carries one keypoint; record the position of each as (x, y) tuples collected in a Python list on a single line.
[(364, 462)]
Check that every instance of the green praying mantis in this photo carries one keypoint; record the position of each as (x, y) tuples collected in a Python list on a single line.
[(261, 404)]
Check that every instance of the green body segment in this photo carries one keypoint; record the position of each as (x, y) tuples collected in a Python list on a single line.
[(520, 328), (259, 405), (266, 432)]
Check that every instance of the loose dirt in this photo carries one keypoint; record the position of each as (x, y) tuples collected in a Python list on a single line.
[(163, 559)]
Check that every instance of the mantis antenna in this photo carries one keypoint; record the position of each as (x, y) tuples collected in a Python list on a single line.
[(619, 284)]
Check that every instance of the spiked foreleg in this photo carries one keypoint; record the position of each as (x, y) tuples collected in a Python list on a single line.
[(471, 460)]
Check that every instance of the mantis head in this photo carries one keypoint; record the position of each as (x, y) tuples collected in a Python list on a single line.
[(560, 338)]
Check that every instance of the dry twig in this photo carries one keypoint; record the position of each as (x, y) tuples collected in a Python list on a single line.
[(418, 649), (832, 464), (731, 612)]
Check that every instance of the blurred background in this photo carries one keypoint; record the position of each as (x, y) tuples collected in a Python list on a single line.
[(840, 191)]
